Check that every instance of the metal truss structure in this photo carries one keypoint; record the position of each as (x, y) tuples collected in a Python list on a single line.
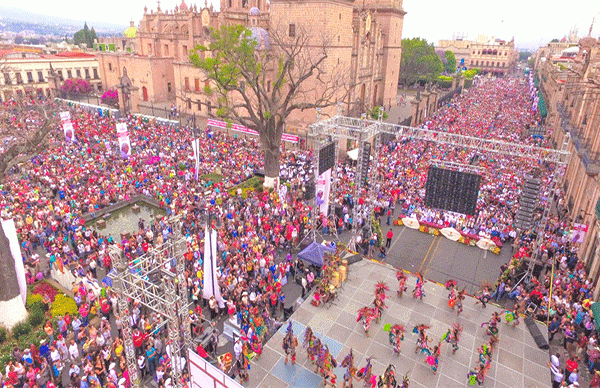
[(362, 129), (150, 281), (457, 166)]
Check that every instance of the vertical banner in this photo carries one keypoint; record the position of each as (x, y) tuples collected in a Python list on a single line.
[(15, 249), (196, 148), (579, 232), (323, 187), (124, 143), (208, 277), (65, 118), (217, 289)]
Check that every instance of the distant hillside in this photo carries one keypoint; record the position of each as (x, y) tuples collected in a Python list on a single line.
[(31, 17)]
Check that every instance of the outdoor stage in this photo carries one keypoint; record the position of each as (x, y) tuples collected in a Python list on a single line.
[(517, 361)]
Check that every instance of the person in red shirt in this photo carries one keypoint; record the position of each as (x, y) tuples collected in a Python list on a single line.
[(389, 236), (138, 340), (571, 366)]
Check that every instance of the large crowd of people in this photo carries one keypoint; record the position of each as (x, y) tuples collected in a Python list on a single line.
[(50, 195)]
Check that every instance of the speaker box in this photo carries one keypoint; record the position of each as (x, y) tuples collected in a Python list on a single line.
[(537, 335)]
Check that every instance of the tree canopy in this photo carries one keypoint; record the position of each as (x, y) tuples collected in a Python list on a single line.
[(450, 64), (419, 62), (259, 86), (85, 36)]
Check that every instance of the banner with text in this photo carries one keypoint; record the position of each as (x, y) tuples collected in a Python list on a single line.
[(240, 128), (124, 143), (323, 187)]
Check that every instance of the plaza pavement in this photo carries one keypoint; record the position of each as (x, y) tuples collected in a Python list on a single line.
[(517, 362)]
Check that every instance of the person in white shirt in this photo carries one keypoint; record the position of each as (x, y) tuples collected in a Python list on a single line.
[(73, 351)]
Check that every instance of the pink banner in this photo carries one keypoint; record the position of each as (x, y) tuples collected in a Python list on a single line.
[(240, 128)]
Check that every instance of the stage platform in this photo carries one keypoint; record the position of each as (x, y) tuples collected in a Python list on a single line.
[(517, 361)]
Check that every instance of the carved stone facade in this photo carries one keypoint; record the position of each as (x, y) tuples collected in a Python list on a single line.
[(571, 88), (364, 38)]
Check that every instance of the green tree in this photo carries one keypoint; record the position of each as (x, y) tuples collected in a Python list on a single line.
[(524, 55), (419, 62), (259, 81), (450, 65), (85, 36)]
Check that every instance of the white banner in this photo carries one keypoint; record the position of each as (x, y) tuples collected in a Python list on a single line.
[(579, 232), (15, 249), (210, 280), (69, 131), (124, 143), (196, 148), (323, 187), (65, 116), (240, 128)]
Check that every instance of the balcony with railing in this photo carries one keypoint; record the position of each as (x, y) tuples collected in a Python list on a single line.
[(589, 158)]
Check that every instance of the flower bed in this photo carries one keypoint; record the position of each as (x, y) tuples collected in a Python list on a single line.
[(44, 288)]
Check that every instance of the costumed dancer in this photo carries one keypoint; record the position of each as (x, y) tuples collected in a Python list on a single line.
[(478, 374), (405, 381), (492, 325), (315, 349), (459, 301), (485, 354), (348, 363), (366, 374), (366, 314), (308, 337), (433, 356), (452, 336), (484, 296), (325, 364), (396, 336), (401, 276), (379, 301), (257, 346), (422, 340), (512, 316), (418, 290), (388, 378), (452, 298), (290, 342)]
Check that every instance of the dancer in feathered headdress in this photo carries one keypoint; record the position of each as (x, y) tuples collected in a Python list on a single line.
[(423, 340), (366, 314), (348, 363), (290, 342), (401, 277), (396, 336), (366, 373), (452, 336), (492, 325), (418, 290)]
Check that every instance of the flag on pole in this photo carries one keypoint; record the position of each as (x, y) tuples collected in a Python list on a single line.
[(196, 148)]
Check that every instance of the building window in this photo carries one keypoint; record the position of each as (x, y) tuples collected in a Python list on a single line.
[(99, 87), (109, 68), (19, 78), (471, 62), (78, 72), (292, 30), (166, 49), (199, 106), (189, 104), (169, 87), (503, 64), (185, 52), (87, 73), (197, 84), (149, 49), (7, 80), (95, 70), (186, 81), (60, 75), (29, 77), (40, 76)]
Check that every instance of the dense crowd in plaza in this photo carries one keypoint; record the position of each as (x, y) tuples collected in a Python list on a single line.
[(49, 195)]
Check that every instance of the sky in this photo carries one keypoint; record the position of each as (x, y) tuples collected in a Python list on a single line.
[(533, 23)]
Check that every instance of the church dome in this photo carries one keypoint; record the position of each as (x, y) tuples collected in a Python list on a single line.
[(131, 31), (261, 37), (254, 11), (183, 6)]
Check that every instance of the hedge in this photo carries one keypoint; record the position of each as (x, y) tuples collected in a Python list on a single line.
[(21, 329), (3, 334)]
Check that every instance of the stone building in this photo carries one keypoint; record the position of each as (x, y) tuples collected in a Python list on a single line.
[(363, 38), (25, 72), (493, 56), (571, 88)]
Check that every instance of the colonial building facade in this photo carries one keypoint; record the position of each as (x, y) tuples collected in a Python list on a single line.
[(364, 38), (28, 72), (493, 56), (570, 82)]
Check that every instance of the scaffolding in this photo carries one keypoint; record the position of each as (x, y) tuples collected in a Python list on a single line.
[(157, 281), (364, 130)]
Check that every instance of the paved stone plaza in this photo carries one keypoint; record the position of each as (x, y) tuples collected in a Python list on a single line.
[(517, 361)]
